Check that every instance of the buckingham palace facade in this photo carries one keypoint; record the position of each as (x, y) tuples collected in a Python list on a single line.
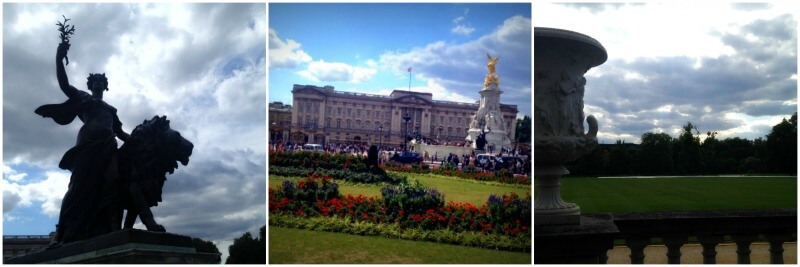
[(323, 115)]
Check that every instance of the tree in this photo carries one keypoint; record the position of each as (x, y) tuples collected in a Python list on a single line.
[(205, 247), (249, 250), (688, 151), (523, 130), (655, 153), (731, 154), (620, 161), (708, 153), (782, 146)]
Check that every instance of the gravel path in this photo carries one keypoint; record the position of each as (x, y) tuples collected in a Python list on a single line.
[(726, 254)]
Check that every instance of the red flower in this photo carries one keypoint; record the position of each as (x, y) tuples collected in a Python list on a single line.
[(325, 211)]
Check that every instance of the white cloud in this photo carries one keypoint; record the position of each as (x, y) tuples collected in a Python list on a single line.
[(461, 68), (461, 29), (47, 192), (285, 54), (690, 32), (321, 71)]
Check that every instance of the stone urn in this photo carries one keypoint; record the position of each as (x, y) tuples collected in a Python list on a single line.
[(561, 58)]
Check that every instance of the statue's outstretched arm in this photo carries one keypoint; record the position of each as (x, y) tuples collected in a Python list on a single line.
[(61, 73)]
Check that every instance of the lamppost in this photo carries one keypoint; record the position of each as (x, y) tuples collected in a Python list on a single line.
[(272, 134), (380, 137), (406, 118)]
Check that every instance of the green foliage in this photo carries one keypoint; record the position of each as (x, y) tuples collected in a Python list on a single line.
[(248, 250), (782, 146), (660, 154), (411, 197), (205, 247), (523, 131), (315, 160), (470, 173), (375, 174), (655, 153), (509, 209), (310, 189), (347, 225)]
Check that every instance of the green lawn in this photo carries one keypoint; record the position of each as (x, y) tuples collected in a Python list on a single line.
[(304, 246), (595, 195), (453, 189)]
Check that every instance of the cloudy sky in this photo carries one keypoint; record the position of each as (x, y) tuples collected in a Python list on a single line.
[(730, 68), (201, 65), (369, 47)]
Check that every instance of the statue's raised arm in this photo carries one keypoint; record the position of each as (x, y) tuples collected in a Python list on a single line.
[(61, 73), (66, 32)]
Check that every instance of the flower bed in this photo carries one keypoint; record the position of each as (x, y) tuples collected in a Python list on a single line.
[(348, 225), (502, 176), (408, 205), (315, 160), (342, 174)]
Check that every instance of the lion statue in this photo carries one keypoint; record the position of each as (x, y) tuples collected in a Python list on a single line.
[(152, 151)]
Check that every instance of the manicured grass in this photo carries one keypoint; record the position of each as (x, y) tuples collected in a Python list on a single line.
[(595, 195), (304, 246), (453, 189)]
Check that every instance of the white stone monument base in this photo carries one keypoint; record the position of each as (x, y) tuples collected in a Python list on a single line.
[(496, 137), (549, 208)]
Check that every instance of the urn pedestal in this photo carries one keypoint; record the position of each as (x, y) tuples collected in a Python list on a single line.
[(561, 58)]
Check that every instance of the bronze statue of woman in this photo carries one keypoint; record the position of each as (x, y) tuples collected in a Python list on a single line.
[(90, 205)]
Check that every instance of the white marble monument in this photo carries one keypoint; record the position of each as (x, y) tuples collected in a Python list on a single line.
[(561, 58), (488, 118)]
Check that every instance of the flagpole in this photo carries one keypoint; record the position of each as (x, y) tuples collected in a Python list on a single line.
[(409, 79)]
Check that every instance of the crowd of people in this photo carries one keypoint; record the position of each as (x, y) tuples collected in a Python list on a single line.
[(517, 159)]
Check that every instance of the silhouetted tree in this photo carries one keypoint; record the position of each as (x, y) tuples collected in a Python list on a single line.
[(248, 250), (688, 151), (782, 146), (655, 154), (205, 247)]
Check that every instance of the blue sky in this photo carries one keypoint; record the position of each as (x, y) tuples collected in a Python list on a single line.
[(368, 48)]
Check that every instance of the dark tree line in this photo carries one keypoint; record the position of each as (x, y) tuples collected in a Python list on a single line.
[(247, 249), (661, 154)]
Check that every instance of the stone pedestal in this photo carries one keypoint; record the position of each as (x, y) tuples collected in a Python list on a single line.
[(490, 119), (585, 243), (549, 207), (129, 246)]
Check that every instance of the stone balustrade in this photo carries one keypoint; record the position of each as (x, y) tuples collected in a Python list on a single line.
[(590, 241)]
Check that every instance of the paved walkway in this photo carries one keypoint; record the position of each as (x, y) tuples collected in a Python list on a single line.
[(726, 254)]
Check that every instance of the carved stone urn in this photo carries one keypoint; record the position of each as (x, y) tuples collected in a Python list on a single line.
[(561, 58)]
